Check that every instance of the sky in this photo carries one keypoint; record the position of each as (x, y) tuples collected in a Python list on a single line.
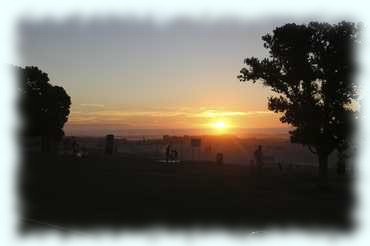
[(126, 73)]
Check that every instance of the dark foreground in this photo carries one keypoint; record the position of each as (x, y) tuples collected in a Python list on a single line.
[(131, 192)]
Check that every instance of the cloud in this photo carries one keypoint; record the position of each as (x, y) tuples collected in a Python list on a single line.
[(105, 116), (93, 105), (216, 114)]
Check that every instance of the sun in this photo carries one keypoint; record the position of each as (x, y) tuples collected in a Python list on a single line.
[(219, 125)]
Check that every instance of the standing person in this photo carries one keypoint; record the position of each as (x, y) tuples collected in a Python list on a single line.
[(219, 158), (75, 147), (258, 156), (168, 152), (280, 166), (174, 155)]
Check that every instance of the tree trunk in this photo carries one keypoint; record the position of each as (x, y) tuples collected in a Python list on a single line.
[(323, 168), (341, 168), (44, 144), (341, 164)]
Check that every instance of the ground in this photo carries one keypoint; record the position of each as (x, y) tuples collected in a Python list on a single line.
[(134, 192)]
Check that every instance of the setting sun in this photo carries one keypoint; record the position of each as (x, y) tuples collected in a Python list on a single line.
[(219, 125)]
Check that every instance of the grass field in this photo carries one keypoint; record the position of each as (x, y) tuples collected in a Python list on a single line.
[(135, 192)]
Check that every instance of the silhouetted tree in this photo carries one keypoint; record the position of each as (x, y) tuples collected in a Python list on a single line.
[(310, 69), (44, 107)]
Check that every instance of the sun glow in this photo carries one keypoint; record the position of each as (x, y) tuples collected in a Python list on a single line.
[(219, 125)]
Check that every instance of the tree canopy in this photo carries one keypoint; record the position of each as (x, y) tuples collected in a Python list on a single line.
[(44, 107), (310, 69)]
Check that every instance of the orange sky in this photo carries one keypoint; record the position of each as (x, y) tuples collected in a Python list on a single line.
[(181, 118), (130, 74)]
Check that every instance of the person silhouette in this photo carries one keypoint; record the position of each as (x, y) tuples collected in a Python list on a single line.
[(280, 166), (174, 154), (219, 158), (258, 156), (75, 147), (168, 152)]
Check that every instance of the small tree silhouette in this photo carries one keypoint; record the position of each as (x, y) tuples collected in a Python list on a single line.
[(310, 69), (44, 107)]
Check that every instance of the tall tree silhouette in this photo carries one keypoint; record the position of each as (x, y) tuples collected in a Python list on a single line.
[(310, 69), (44, 107)]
